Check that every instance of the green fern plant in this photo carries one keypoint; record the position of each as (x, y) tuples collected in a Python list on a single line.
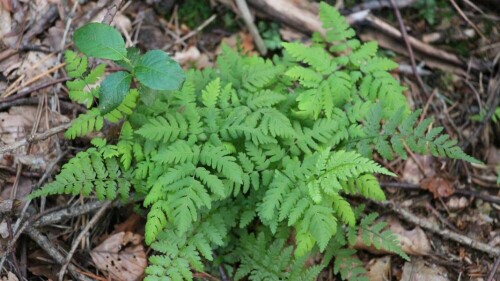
[(253, 159)]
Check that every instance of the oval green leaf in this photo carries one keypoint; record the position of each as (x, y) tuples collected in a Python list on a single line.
[(156, 70), (99, 40), (113, 90)]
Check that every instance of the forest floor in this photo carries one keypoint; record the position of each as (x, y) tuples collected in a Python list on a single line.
[(446, 213)]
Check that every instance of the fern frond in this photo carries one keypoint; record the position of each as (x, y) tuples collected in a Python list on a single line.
[(85, 173), (156, 221), (275, 123), (265, 98), (85, 123), (316, 57), (178, 152), (211, 93), (80, 92), (259, 74), (181, 252), (237, 125), (125, 145), (76, 65), (374, 234), (218, 158), (279, 187), (321, 223), (166, 128), (378, 64), (211, 181), (363, 53), (343, 165), (324, 132), (125, 108), (337, 27), (349, 266), (306, 77), (261, 259)]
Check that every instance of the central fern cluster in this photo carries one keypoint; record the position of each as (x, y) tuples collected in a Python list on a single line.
[(256, 151)]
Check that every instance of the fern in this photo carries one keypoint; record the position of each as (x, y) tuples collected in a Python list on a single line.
[(374, 234), (254, 159), (89, 173), (82, 89), (265, 260), (85, 123)]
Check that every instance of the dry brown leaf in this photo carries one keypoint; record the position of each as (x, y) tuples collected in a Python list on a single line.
[(129, 224), (412, 172), (6, 4), (417, 270), (438, 186), (192, 56), (495, 241), (493, 156), (56, 32), (5, 27), (23, 188), (290, 35), (10, 277), (36, 63), (240, 40), (120, 21), (16, 125), (4, 230), (457, 203), (42, 265), (413, 242), (122, 256), (379, 269)]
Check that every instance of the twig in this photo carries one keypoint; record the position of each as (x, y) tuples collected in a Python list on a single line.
[(53, 217), (35, 138), (409, 48), (247, 17), (491, 104), (18, 230), (112, 10), (84, 231), (222, 271), (465, 192), (408, 216), (198, 29), (51, 250), (69, 106), (379, 4), (66, 29), (461, 13), (26, 91), (190, 34), (34, 79), (41, 24), (494, 269)]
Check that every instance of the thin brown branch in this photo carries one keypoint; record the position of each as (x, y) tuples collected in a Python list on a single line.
[(402, 27), (445, 233), (35, 138), (464, 192), (493, 271), (247, 17), (67, 213), (80, 236), (28, 90), (51, 250), (112, 10)]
